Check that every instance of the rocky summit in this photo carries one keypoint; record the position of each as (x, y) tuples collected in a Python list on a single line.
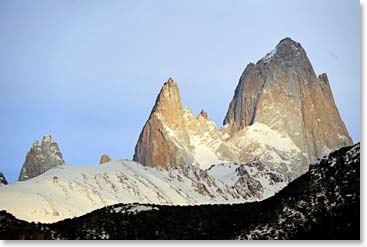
[(104, 159), (279, 98), (41, 158), (3, 180), (282, 91), (164, 138)]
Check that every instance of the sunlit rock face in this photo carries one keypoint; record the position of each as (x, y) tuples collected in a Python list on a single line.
[(104, 159), (41, 158), (164, 138), (283, 92), (281, 114)]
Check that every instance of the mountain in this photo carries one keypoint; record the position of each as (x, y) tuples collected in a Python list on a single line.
[(283, 92), (279, 99), (270, 134), (71, 191), (164, 138), (41, 158), (324, 203), (3, 180), (183, 138)]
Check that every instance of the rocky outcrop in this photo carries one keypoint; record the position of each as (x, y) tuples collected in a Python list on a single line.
[(41, 158), (282, 91), (104, 159), (3, 180), (253, 179), (164, 138)]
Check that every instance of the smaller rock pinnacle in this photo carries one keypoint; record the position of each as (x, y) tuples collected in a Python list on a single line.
[(104, 159)]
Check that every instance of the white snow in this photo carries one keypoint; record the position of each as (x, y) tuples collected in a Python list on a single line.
[(325, 150), (225, 173), (225, 136), (264, 136), (259, 142), (342, 137), (203, 154), (70, 191), (133, 209), (269, 56)]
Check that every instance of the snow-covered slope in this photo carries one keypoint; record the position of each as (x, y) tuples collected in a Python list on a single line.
[(259, 142), (238, 175), (69, 191), (205, 139), (324, 203), (255, 142)]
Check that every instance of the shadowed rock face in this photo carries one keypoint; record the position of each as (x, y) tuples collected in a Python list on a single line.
[(41, 158), (3, 180), (104, 159), (282, 91)]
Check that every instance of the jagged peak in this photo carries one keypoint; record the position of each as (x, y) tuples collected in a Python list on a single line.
[(289, 42), (286, 48), (187, 112), (104, 159), (40, 158), (35, 143), (168, 97), (323, 77), (170, 82), (203, 114), (169, 89), (47, 138), (3, 179), (287, 45), (186, 109)]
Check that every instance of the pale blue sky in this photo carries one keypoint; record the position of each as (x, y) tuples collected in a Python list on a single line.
[(88, 72)]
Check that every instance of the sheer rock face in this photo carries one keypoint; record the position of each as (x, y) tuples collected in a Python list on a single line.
[(41, 158), (3, 180), (173, 136), (104, 159), (164, 139), (283, 92)]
